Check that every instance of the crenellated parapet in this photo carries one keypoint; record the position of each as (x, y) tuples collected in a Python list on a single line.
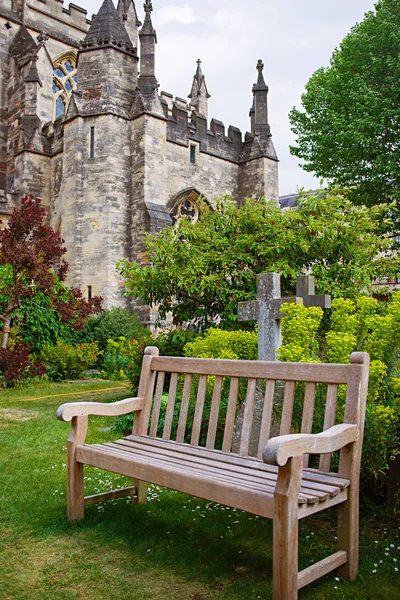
[(185, 125), (72, 15), (66, 24)]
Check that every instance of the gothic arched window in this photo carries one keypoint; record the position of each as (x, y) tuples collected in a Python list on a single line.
[(64, 81), (186, 205)]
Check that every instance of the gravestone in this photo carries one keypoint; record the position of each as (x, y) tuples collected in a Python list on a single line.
[(266, 310)]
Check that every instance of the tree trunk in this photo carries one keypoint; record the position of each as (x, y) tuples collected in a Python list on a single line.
[(5, 332)]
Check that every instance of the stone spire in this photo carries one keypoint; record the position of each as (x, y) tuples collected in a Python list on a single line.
[(148, 28), (107, 30), (199, 94), (148, 41), (259, 110), (127, 11)]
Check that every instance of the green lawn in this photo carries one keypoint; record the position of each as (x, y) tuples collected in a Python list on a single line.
[(175, 547)]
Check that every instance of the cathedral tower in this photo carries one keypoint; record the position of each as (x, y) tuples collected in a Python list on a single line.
[(94, 207)]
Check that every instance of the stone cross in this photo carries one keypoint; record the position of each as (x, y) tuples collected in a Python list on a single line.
[(266, 310), (305, 288)]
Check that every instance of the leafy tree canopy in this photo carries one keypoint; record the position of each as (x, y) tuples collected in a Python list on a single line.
[(200, 271), (349, 130), (31, 273)]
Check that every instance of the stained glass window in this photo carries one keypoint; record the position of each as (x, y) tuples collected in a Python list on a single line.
[(64, 81), (60, 107)]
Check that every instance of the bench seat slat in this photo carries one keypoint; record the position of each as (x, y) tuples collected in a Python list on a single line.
[(189, 464), (321, 490), (193, 482), (235, 459), (305, 497)]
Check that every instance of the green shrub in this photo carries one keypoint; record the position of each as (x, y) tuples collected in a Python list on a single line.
[(69, 362), (115, 360), (217, 343), (172, 343), (366, 325), (111, 325)]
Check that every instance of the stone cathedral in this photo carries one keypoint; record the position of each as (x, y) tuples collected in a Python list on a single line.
[(84, 126)]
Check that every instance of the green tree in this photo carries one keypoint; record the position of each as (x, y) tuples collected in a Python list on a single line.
[(200, 271), (349, 130)]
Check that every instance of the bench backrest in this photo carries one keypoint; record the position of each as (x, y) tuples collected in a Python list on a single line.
[(196, 401)]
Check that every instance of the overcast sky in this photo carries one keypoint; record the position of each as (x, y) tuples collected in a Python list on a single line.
[(292, 37)]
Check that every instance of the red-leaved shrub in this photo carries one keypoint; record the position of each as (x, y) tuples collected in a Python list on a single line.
[(16, 365)]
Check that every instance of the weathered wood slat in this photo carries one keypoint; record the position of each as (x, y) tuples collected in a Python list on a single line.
[(112, 495), (213, 423), (321, 568), (321, 490), (194, 483), (308, 414), (266, 421), (235, 459), (318, 373), (169, 415), (198, 413), (248, 417), (307, 493), (145, 391), (157, 404), (184, 409), (329, 421), (230, 414), (287, 410)]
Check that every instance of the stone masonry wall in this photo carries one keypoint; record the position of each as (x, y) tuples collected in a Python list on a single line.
[(258, 178), (107, 79), (94, 204), (6, 36), (211, 176)]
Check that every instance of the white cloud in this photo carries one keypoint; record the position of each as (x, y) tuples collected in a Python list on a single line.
[(228, 20), (184, 15)]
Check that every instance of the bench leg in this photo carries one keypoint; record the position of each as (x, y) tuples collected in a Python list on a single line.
[(141, 492), (75, 490), (286, 528), (76, 501), (348, 534)]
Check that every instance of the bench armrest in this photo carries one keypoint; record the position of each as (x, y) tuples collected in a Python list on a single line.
[(67, 412), (279, 449)]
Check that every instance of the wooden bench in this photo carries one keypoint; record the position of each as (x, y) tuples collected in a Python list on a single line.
[(277, 484)]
